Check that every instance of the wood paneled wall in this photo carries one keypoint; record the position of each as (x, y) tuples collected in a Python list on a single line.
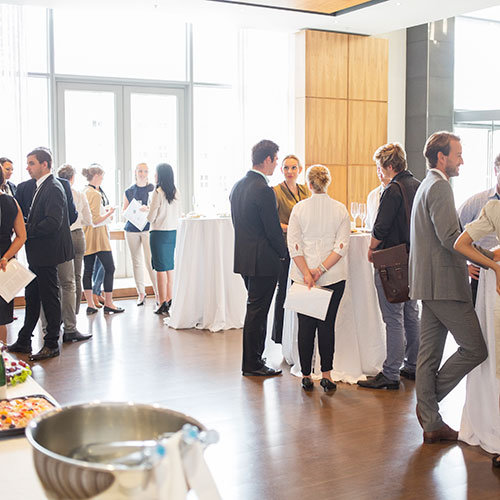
[(341, 107)]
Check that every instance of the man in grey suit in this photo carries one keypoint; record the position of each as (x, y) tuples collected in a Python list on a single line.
[(439, 278)]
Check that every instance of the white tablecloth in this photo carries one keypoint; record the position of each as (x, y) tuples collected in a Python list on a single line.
[(481, 415), (206, 293), (359, 329)]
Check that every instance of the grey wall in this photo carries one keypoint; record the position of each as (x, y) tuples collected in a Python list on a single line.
[(429, 87)]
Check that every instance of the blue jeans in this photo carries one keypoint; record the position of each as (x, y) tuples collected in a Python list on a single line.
[(402, 329), (97, 277)]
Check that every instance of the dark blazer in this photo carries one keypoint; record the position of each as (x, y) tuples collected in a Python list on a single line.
[(24, 196), (12, 187), (391, 225), (259, 244), (49, 238)]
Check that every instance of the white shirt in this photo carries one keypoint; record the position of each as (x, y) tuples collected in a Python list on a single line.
[(440, 173), (83, 209), (372, 203), (319, 226), (163, 216)]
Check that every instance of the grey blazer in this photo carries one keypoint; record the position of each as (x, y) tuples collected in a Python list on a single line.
[(436, 270)]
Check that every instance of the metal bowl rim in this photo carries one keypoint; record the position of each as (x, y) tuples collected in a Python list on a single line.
[(94, 465)]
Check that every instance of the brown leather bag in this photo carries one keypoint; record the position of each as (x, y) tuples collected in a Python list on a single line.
[(392, 264)]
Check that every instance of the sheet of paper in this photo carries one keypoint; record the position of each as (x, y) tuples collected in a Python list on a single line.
[(106, 221), (135, 215), (313, 302), (14, 279)]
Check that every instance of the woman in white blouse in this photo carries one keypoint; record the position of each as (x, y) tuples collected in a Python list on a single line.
[(487, 223), (318, 239), (163, 215)]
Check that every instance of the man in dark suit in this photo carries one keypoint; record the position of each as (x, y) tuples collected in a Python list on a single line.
[(48, 244), (65, 270), (258, 251)]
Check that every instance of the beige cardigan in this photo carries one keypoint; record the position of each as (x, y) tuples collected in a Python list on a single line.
[(96, 238)]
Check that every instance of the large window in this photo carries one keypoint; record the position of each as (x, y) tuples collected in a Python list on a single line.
[(119, 43), (477, 102)]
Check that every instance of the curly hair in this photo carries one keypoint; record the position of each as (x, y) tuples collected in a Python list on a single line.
[(391, 154), (319, 177)]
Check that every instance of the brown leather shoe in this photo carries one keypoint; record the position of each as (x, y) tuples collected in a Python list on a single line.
[(444, 433)]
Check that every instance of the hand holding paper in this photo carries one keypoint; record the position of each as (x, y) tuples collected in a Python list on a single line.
[(312, 302)]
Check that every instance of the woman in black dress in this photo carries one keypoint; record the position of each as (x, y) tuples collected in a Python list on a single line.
[(11, 219)]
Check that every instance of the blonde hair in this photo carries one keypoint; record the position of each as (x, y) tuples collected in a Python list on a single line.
[(319, 177), (391, 154), (94, 169), (293, 157)]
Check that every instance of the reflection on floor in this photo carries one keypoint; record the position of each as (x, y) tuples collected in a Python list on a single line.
[(277, 442)]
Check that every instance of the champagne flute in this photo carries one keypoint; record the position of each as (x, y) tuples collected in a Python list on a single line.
[(362, 215), (354, 211)]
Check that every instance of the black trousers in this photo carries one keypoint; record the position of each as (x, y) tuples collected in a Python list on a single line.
[(260, 294), (279, 312), (326, 333), (43, 289), (473, 286), (106, 258)]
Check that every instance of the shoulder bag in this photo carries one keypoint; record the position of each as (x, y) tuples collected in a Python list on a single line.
[(392, 265)]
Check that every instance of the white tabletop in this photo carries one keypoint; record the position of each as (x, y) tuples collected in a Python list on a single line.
[(481, 415), (206, 293), (359, 328), (18, 475)]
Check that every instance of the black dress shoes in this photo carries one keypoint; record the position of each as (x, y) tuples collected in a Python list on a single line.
[(444, 433), (91, 310), (379, 382), (76, 337), (404, 372), (307, 384), (327, 385), (264, 371), (163, 309), (113, 310), (45, 353), (19, 347)]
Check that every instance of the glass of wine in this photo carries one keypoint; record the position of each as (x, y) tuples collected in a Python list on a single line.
[(362, 215), (354, 211)]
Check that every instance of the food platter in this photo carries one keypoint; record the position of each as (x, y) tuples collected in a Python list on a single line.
[(15, 413)]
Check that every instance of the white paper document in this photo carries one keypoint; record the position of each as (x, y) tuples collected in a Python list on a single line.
[(313, 302), (14, 279), (135, 215)]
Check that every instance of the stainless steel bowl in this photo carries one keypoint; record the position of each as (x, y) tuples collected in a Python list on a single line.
[(55, 434)]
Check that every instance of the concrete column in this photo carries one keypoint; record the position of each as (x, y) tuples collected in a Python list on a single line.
[(429, 87)]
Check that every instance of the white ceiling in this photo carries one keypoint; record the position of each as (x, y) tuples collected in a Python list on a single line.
[(381, 18)]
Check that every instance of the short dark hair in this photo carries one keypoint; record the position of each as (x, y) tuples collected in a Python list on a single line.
[(262, 150), (439, 142), (4, 159), (42, 154), (2, 177)]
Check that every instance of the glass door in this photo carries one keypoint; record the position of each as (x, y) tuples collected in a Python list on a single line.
[(118, 127)]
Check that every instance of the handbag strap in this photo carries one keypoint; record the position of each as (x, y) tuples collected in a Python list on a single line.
[(407, 205)]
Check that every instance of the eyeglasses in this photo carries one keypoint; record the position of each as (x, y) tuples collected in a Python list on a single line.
[(291, 168)]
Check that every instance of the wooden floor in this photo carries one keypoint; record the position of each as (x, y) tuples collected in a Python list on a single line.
[(277, 442)]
